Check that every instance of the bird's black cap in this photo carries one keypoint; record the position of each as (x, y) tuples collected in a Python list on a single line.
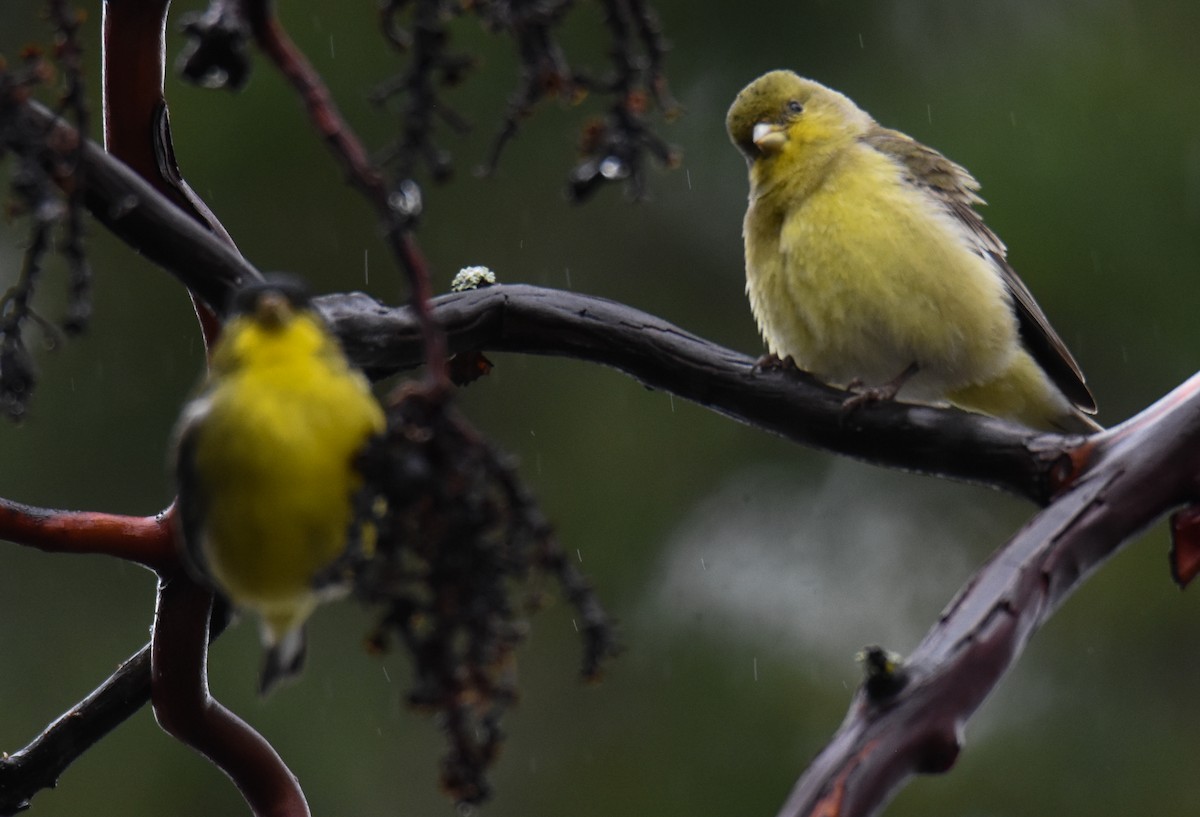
[(289, 286)]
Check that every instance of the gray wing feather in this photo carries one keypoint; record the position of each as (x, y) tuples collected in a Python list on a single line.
[(191, 504), (955, 189)]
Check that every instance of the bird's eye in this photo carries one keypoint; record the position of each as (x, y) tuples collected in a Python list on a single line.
[(794, 107)]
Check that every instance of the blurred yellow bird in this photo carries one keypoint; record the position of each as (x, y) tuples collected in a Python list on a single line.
[(265, 462), (867, 265)]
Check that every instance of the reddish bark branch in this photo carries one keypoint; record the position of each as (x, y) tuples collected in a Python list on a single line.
[(144, 540), (136, 125), (1139, 471), (137, 131), (185, 709), (1185, 545)]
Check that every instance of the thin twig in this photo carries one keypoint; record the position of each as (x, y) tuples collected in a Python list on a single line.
[(67, 21), (429, 64), (39, 765), (391, 209)]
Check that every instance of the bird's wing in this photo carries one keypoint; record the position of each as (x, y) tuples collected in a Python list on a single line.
[(952, 186), (191, 506)]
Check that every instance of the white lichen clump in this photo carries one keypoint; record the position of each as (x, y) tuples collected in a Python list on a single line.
[(472, 278)]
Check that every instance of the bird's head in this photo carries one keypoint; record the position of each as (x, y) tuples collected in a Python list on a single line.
[(271, 303), (782, 114), (269, 322)]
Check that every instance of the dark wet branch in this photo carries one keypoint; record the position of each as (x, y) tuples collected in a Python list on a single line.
[(537, 320), (39, 765), (130, 208), (1139, 471)]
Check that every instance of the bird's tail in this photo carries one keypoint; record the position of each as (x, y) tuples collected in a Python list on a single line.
[(1024, 393), (283, 660)]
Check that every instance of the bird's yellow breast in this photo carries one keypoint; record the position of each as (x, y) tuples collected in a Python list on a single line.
[(274, 452), (859, 274)]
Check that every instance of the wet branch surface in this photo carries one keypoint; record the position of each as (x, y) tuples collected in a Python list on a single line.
[(38, 766), (1138, 472), (538, 320), (1105, 489)]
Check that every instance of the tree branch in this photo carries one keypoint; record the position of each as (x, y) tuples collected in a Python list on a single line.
[(39, 765), (395, 214), (144, 540), (137, 128), (1115, 483), (1140, 471), (537, 320), (185, 709), (134, 211)]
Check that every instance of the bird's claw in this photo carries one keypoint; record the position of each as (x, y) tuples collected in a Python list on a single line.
[(773, 363), (883, 393), (868, 395)]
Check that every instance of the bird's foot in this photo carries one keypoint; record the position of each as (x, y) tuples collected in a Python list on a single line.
[(774, 363), (867, 395), (883, 393)]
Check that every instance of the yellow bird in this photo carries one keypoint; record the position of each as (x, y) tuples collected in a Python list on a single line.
[(868, 266), (265, 462)]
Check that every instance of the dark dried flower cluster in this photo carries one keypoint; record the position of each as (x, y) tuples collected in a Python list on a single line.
[(456, 550), (217, 51), (614, 147), (49, 193)]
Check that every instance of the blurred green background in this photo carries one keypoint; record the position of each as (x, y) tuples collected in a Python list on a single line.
[(745, 571)]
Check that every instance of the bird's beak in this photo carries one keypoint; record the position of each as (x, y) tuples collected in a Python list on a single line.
[(273, 310), (768, 137)]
